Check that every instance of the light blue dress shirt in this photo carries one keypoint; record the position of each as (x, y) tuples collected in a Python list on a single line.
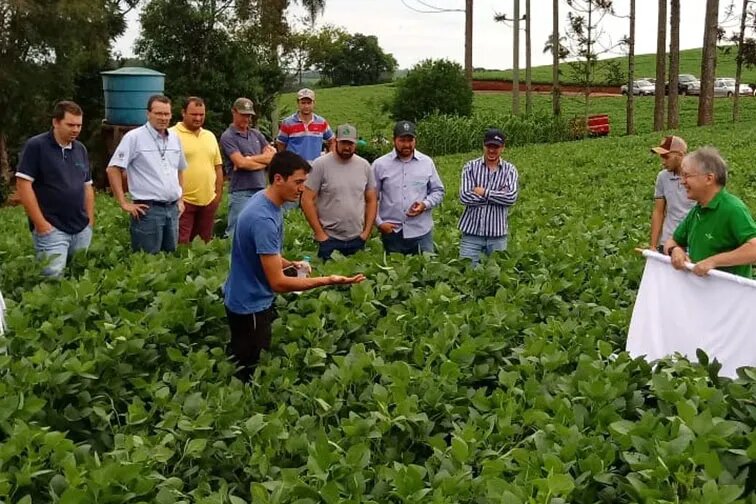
[(402, 183), (152, 162)]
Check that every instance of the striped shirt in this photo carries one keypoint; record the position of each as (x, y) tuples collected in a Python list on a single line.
[(487, 215), (304, 139)]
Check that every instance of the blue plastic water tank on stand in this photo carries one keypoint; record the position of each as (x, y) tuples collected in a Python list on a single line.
[(126, 93)]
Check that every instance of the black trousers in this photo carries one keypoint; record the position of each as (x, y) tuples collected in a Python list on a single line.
[(250, 334)]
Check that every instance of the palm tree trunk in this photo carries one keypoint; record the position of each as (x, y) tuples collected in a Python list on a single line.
[(739, 63), (469, 40), (661, 47), (555, 92), (516, 60), (630, 126), (708, 64), (528, 63), (673, 114)]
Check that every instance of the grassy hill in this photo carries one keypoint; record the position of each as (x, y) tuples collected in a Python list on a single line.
[(363, 107), (645, 66)]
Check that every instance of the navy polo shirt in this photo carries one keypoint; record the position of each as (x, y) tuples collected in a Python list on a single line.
[(249, 143), (58, 175)]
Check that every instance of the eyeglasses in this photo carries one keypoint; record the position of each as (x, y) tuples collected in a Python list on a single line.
[(686, 176)]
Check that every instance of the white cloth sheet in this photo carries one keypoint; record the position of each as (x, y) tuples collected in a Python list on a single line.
[(677, 311), (2, 314)]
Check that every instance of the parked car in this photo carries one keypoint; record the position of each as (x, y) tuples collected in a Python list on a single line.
[(694, 88), (726, 87), (640, 88), (683, 81)]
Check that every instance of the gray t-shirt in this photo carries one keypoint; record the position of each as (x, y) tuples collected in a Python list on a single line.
[(669, 187), (340, 186)]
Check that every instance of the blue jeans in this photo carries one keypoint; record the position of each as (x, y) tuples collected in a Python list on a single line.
[(156, 230), (236, 202), (346, 247), (472, 247), (57, 246), (396, 242)]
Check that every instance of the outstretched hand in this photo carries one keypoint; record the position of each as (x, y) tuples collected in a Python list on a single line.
[(345, 280)]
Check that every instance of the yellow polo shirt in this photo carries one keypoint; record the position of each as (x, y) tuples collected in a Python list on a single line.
[(202, 156)]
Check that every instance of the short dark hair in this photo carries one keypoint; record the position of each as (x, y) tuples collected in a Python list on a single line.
[(285, 164), (192, 99), (60, 109), (157, 98)]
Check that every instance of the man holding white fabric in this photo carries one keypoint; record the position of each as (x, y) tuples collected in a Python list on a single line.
[(719, 231)]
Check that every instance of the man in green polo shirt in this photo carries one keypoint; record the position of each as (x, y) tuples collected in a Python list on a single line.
[(719, 231)]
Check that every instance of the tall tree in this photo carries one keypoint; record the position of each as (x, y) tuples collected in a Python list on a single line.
[(210, 31), (516, 59), (630, 116), (528, 63), (585, 37), (43, 62), (661, 53), (314, 9), (350, 60), (708, 64), (469, 40), (739, 61), (673, 113), (555, 46)]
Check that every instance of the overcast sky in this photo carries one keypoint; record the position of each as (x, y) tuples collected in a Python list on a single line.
[(412, 36)]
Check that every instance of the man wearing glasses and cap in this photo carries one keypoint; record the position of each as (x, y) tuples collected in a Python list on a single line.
[(246, 154), (671, 203), (488, 189)]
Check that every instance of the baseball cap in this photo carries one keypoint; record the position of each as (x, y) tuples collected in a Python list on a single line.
[(671, 144), (404, 128), (346, 132), (494, 136), (305, 93), (244, 106)]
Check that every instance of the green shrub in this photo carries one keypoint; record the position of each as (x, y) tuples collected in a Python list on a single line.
[(446, 134), (372, 151), (432, 86)]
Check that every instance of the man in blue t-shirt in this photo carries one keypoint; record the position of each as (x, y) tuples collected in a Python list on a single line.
[(257, 268), (55, 187)]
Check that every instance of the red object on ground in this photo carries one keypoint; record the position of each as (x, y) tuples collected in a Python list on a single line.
[(598, 125)]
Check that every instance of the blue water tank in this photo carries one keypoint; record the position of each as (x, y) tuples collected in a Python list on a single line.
[(127, 91)]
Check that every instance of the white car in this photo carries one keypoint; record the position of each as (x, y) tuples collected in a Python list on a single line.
[(640, 88), (726, 87)]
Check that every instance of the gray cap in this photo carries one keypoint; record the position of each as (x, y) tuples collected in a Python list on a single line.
[(244, 106), (347, 133)]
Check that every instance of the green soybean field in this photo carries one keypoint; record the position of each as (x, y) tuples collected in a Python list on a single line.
[(431, 382)]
